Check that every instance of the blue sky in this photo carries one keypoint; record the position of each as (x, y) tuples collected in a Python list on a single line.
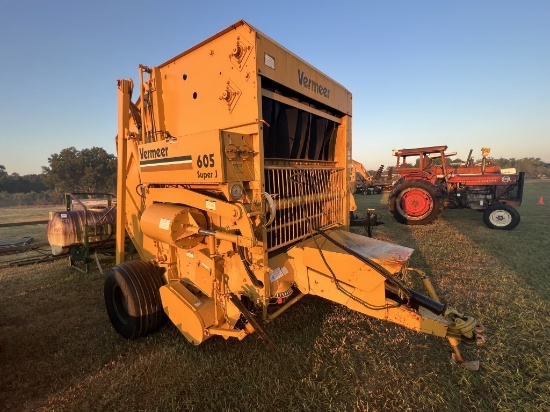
[(468, 74)]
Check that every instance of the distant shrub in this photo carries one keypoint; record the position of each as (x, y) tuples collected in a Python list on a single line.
[(30, 199)]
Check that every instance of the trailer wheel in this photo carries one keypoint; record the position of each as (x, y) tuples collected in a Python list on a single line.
[(500, 216), (415, 202), (132, 298)]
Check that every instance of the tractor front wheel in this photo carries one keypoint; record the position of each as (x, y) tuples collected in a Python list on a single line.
[(500, 216), (415, 202)]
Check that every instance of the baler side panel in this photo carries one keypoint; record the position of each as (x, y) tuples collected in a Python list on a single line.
[(205, 89)]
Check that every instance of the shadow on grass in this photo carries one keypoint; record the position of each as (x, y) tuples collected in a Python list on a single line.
[(60, 352), (500, 278), (522, 251)]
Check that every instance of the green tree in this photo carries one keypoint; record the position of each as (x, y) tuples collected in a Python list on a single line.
[(87, 170), (15, 183), (3, 178), (533, 167)]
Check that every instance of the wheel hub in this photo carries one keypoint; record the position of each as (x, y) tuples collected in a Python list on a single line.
[(500, 218), (416, 202)]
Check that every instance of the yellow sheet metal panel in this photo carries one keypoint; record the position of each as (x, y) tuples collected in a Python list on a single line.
[(390, 256), (208, 157), (199, 269), (375, 298), (211, 86), (190, 314), (197, 158), (174, 225), (345, 267), (279, 64)]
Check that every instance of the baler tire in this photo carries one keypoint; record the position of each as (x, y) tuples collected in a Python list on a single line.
[(132, 298), (500, 216), (427, 195)]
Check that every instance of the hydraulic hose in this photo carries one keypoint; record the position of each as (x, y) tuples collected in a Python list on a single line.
[(418, 299), (389, 277), (415, 299), (255, 281)]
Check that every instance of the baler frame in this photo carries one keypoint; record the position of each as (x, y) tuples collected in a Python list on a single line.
[(234, 186)]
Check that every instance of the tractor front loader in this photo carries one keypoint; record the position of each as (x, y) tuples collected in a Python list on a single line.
[(234, 186)]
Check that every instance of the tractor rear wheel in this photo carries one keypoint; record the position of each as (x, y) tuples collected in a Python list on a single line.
[(500, 216), (415, 202), (132, 298)]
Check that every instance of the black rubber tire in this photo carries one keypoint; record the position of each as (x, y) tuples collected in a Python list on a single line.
[(423, 199), (132, 298), (501, 217)]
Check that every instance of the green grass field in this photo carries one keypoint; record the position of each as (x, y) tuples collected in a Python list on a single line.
[(60, 353)]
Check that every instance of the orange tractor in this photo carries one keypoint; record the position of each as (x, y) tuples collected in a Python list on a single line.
[(431, 184)]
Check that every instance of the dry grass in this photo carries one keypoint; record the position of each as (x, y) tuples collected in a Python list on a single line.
[(59, 352), (25, 213), (37, 232)]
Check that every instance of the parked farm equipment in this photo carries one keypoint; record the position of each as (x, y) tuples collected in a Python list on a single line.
[(26, 249), (384, 181), (361, 180), (87, 225), (431, 184), (364, 183), (234, 187)]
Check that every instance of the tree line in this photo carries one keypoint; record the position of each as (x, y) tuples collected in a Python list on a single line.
[(70, 170), (94, 170)]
